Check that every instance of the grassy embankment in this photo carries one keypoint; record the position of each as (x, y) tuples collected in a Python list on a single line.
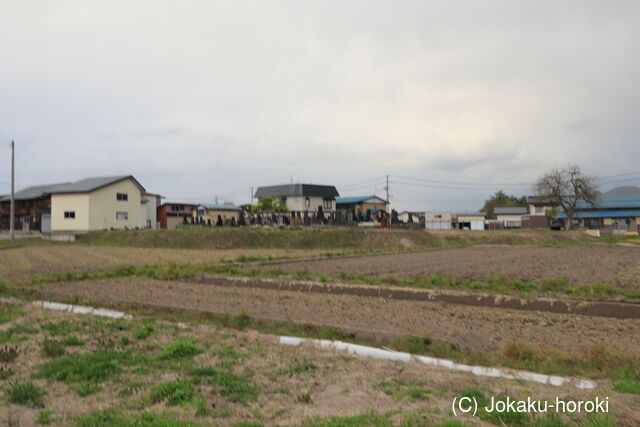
[(329, 238)]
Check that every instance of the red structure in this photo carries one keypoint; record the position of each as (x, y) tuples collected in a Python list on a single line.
[(171, 214)]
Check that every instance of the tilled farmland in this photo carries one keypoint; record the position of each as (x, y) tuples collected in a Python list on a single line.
[(608, 264)]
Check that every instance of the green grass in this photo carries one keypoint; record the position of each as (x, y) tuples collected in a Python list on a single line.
[(9, 312), (115, 418), (402, 390), (355, 421), (61, 328), (53, 348), (145, 331), (44, 418), (301, 367), (94, 367), (72, 341), (627, 386), (25, 393), (325, 238), (86, 389), (179, 350), (174, 393), (234, 387)]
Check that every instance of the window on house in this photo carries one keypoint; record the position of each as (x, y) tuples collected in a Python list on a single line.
[(307, 202), (69, 214), (327, 203), (122, 216), (539, 210), (123, 197)]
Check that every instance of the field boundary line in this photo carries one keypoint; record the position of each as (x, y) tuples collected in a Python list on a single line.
[(618, 310), (377, 353)]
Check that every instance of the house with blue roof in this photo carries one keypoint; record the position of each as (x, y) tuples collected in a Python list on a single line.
[(361, 204), (618, 209)]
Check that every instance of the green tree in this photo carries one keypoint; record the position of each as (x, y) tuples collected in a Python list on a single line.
[(501, 199), (268, 204)]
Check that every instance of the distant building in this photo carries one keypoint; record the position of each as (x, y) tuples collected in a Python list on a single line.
[(538, 211), (362, 204), (617, 210), (99, 203), (172, 214), (310, 198), (511, 216), (411, 217), (208, 213), (149, 207), (437, 220), (468, 221)]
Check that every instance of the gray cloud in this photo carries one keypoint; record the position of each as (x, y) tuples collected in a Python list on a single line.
[(204, 98)]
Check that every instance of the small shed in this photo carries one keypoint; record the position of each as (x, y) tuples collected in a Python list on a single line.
[(469, 221), (437, 220)]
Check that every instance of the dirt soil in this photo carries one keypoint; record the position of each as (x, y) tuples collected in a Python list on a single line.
[(472, 328), (20, 263), (609, 264)]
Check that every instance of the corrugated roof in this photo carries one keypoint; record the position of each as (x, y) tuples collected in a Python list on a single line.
[(510, 210), (326, 191), (610, 213), (88, 185), (356, 199), (214, 207), (34, 192), (83, 186)]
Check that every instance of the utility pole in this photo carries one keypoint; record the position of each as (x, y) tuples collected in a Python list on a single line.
[(388, 202), (251, 196), (12, 230)]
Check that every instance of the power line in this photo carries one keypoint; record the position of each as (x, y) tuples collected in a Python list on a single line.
[(452, 183), (449, 187)]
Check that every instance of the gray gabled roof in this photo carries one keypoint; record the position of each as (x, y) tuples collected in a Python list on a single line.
[(325, 191), (33, 192), (88, 185), (510, 210)]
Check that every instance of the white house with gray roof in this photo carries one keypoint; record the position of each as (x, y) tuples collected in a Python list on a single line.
[(114, 202), (511, 216), (302, 197)]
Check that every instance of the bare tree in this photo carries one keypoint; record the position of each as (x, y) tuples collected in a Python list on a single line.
[(568, 188)]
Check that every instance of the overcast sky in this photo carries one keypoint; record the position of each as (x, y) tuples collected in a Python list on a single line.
[(205, 98)]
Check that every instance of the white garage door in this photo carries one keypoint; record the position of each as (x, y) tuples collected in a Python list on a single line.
[(45, 223)]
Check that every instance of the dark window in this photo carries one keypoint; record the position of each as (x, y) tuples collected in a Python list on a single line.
[(69, 214), (307, 202), (123, 197)]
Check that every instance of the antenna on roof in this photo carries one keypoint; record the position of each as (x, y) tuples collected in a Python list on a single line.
[(291, 178)]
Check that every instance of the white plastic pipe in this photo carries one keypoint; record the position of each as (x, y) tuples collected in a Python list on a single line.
[(83, 309), (399, 356)]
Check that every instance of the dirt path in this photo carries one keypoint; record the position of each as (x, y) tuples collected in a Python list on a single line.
[(614, 265), (474, 328)]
